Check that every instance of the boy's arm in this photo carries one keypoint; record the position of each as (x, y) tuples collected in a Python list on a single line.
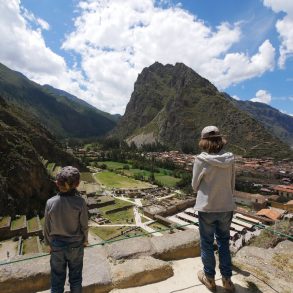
[(47, 237), (197, 174), (84, 221)]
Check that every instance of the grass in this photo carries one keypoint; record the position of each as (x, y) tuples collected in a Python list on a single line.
[(122, 217), (143, 219), (107, 232), (267, 239), (87, 176), (164, 179), (18, 223), (118, 204), (30, 245), (33, 224), (4, 222), (167, 180), (42, 221), (113, 180)]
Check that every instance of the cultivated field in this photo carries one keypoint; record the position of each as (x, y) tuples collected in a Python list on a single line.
[(113, 180)]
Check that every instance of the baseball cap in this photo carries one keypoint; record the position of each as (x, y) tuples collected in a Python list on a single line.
[(69, 175), (210, 131)]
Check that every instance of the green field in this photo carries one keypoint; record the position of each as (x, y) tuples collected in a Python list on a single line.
[(167, 180), (122, 217), (87, 176), (107, 233), (18, 223), (113, 180), (30, 245)]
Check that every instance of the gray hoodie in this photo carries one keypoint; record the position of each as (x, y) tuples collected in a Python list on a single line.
[(214, 180)]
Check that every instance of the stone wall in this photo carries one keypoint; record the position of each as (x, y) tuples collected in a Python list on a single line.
[(128, 263)]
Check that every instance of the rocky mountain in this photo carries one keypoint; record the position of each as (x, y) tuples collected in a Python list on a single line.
[(24, 182), (171, 104), (61, 113), (280, 124)]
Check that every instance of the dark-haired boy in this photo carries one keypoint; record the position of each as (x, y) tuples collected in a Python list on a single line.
[(66, 231)]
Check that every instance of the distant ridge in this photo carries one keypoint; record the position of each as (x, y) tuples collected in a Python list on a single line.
[(171, 104), (61, 113)]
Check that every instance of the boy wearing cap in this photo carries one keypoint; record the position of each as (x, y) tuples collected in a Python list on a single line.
[(214, 180), (66, 231)]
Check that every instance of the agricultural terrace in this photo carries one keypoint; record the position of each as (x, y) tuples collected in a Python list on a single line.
[(30, 245), (158, 226), (18, 223), (87, 177), (164, 176), (107, 233), (33, 224), (113, 180), (125, 216), (5, 222)]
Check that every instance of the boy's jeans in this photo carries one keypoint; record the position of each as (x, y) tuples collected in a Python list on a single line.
[(64, 254), (217, 224)]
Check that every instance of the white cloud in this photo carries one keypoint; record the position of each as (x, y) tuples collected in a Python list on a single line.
[(236, 98), (284, 27), (115, 48), (262, 96), (24, 49), (116, 39)]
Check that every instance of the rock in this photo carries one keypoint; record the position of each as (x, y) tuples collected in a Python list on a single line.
[(130, 248), (139, 272), (177, 246), (26, 276), (96, 271), (273, 266)]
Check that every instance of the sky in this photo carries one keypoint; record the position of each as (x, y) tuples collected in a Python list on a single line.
[(95, 49)]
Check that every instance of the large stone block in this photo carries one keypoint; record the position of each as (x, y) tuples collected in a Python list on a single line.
[(27, 276), (273, 266), (139, 272), (130, 248), (176, 246)]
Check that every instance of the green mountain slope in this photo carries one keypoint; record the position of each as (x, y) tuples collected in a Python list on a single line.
[(63, 116), (171, 104), (280, 124), (24, 182)]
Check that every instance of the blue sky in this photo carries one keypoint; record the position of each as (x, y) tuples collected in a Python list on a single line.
[(96, 48)]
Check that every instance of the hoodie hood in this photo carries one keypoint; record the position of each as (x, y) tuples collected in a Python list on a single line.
[(222, 160)]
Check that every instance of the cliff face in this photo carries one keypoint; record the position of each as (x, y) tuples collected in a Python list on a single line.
[(24, 183), (171, 105)]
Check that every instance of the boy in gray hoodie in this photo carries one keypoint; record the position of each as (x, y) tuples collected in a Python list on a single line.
[(214, 180), (66, 231)]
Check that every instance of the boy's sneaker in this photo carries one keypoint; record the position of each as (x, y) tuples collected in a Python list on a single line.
[(208, 282), (228, 285)]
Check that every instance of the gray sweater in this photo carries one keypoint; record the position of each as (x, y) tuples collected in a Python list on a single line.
[(214, 180), (66, 218)]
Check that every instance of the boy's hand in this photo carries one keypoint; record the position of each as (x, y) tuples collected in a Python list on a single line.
[(50, 249), (85, 244)]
